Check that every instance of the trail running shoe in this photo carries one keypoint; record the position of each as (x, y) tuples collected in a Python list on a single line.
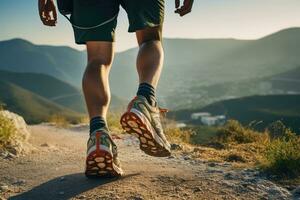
[(143, 121), (102, 156)]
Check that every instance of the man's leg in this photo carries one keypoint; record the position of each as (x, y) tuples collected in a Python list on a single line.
[(143, 115), (151, 55), (95, 82), (102, 155), (149, 61)]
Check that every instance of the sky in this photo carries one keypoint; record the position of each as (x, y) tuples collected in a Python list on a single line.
[(240, 19)]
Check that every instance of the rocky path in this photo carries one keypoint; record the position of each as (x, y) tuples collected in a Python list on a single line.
[(54, 170)]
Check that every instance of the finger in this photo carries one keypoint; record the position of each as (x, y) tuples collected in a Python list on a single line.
[(177, 3), (185, 12), (54, 14), (49, 22), (181, 9)]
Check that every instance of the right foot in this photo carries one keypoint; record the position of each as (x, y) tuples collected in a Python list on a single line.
[(102, 156), (143, 121)]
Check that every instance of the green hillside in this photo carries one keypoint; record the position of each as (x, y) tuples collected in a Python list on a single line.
[(32, 107), (266, 109), (193, 67), (64, 63), (53, 89), (48, 87)]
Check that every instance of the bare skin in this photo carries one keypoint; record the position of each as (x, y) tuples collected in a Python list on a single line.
[(150, 56), (95, 82)]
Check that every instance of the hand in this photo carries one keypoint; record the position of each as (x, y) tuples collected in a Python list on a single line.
[(47, 11), (185, 8)]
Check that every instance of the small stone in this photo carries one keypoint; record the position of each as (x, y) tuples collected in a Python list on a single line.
[(187, 157), (62, 178), (19, 182), (197, 189), (7, 155), (4, 188), (176, 147), (44, 145), (212, 164), (81, 197)]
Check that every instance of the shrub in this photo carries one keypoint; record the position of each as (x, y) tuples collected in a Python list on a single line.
[(203, 135), (282, 155), (178, 135), (7, 130), (276, 129), (59, 120), (234, 132)]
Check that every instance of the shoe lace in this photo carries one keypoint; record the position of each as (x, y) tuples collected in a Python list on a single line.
[(162, 111)]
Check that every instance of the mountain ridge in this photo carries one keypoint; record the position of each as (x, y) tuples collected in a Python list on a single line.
[(189, 64)]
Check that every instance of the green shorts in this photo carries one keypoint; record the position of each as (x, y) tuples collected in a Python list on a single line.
[(88, 13)]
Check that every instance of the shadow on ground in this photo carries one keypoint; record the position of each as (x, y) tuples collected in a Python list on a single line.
[(65, 187)]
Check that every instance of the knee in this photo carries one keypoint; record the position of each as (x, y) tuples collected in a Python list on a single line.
[(95, 67), (149, 35), (98, 64)]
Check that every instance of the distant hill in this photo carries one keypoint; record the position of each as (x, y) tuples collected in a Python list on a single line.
[(64, 63), (32, 107), (266, 109), (62, 96), (48, 87), (193, 67)]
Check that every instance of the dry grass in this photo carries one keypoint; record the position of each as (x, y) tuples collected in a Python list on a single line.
[(7, 131), (59, 121), (234, 132), (282, 156), (177, 135)]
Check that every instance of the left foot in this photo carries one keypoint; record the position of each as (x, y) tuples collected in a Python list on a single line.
[(102, 156)]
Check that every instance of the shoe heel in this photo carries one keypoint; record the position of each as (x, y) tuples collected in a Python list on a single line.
[(100, 162)]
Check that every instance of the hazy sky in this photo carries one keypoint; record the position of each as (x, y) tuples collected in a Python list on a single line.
[(242, 19)]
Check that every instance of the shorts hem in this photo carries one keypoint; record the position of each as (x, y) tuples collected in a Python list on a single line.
[(94, 40), (143, 26)]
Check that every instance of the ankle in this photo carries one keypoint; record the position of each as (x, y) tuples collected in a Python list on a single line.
[(148, 91), (97, 123)]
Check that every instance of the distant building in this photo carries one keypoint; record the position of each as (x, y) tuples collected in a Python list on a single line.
[(206, 118), (214, 120), (180, 125), (196, 116)]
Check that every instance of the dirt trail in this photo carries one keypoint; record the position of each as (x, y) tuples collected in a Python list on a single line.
[(54, 170)]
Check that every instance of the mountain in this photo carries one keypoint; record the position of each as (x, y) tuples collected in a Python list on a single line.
[(198, 69), (194, 68), (65, 63), (48, 87), (264, 109), (32, 107), (61, 96)]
